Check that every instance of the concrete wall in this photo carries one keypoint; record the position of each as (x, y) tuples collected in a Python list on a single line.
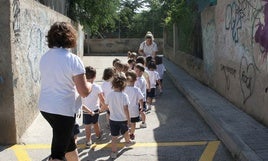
[(235, 63), (116, 45), (24, 25)]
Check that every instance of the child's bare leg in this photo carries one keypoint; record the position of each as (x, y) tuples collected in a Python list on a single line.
[(126, 136), (143, 116), (113, 144), (88, 132), (97, 129), (132, 128)]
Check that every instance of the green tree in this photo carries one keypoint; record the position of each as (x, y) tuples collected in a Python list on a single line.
[(94, 15)]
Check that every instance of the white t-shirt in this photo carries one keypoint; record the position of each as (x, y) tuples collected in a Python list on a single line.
[(58, 66), (141, 84), (134, 95), (148, 49), (92, 101), (161, 70), (116, 102), (106, 88), (153, 77)]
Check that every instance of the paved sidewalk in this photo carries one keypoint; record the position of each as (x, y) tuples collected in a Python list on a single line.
[(245, 138)]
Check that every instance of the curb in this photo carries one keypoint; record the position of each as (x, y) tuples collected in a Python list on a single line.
[(239, 149)]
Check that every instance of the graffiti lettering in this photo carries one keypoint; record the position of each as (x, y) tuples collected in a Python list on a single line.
[(35, 48), (247, 75), (16, 16), (261, 34), (227, 72), (233, 17)]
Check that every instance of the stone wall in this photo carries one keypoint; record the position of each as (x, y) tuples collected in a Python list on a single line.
[(114, 45), (235, 54), (24, 25)]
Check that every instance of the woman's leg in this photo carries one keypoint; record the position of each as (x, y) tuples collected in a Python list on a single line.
[(62, 127), (72, 156)]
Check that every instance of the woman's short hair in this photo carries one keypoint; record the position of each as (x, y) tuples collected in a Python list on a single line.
[(61, 34)]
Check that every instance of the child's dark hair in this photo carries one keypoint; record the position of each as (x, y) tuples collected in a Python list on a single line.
[(148, 60), (131, 76), (119, 81), (115, 60), (151, 65), (158, 60), (108, 73), (140, 59), (90, 72), (130, 61), (131, 55), (140, 67)]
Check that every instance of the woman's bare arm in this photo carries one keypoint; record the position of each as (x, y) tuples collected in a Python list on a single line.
[(83, 87)]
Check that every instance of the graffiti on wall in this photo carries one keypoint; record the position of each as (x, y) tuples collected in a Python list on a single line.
[(247, 22), (16, 19), (261, 34), (35, 49), (228, 71), (247, 76), (233, 20)]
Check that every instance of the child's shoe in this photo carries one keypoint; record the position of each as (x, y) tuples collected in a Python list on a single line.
[(88, 144), (132, 136), (113, 155), (143, 125)]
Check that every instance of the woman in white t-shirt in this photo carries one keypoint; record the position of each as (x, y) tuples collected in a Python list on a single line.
[(148, 47), (62, 73)]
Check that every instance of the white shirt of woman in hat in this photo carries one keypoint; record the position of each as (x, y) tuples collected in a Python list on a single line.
[(148, 47)]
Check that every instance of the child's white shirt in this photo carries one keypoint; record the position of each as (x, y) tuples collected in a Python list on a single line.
[(161, 70), (106, 88), (134, 95), (153, 77), (141, 84), (92, 101), (116, 102)]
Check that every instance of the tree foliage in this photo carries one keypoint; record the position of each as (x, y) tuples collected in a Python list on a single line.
[(94, 15)]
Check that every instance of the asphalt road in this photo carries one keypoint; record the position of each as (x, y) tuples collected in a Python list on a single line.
[(175, 132)]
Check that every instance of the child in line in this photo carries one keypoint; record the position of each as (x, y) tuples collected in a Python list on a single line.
[(131, 63), (154, 78), (160, 68), (92, 102), (141, 84), (117, 101), (136, 101), (141, 59), (119, 67), (106, 86)]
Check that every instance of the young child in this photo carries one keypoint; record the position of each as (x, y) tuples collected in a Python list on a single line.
[(117, 101), (106, 86), (160, 68), (119, 67), (131, 63), (141, 84), (132, 55), (141, 60), (154, 78), (136, 101), (92, 102)]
